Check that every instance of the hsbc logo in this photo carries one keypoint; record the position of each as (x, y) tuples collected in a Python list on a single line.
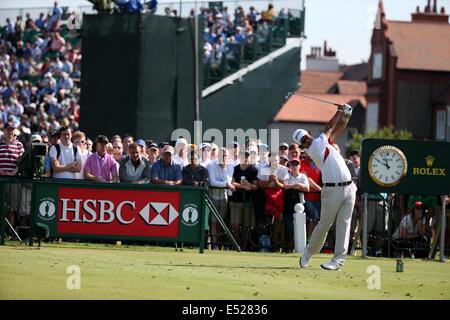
[(162, 214), (106, 211)]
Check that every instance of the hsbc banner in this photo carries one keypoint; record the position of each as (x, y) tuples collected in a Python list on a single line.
[(114, 212)]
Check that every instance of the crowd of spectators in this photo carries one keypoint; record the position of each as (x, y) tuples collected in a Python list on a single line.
[(39, 74), (237, 35), (254, 190)]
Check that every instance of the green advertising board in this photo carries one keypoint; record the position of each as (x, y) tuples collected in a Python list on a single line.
[(119, 211), (405, 167)]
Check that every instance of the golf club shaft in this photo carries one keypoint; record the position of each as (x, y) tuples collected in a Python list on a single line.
[(13, 230), (324, 101)]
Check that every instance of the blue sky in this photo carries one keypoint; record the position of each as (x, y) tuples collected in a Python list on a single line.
[(347, 24)]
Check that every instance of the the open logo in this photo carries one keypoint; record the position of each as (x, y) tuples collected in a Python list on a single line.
[(190, 215), (47, 209)]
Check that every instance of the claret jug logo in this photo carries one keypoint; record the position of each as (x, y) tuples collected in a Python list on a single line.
[(429, 161), (47, 208), (190, 215)]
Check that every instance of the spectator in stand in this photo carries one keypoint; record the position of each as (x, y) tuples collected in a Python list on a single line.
[(152, 151), (263, 152), (53, 140), (411, 232), (65, 157), (89, 144), (214, 151), (253, 17), (294, 151), (127, 140), (116, 138), (79, 140), (161, 147), (100, 166), (284, 161), (180, 156), (57, 44), (271, 179), (152, 6), (165, 171), (65, 82), (142, 147), (135, 169), (296, 184), (242, 213), (269, 15), (283, 14), (10, 152), (356, 160), (219, 181), (118, 150), (109, 148), (194, 174), (134, 6), (312, 199), (205, 148), (235, 152), (283, 150), (40, 22)]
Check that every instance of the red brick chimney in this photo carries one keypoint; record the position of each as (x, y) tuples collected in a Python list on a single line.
[(430, 15)]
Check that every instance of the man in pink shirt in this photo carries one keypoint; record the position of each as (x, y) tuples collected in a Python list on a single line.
[(100, 166)]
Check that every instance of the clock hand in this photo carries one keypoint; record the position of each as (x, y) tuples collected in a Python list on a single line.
[(384, 164)]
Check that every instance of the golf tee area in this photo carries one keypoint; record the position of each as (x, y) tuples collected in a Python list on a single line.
[(101, 271)]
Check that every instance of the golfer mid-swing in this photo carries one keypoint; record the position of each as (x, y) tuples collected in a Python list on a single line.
[(338, 192)]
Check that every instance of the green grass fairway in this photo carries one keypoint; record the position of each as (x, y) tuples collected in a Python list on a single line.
[(111, 272)]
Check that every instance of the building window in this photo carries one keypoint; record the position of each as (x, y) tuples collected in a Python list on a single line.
[(377, 65), (372, 117), (440, 124)]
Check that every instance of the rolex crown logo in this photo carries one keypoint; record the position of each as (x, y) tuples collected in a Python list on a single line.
[(429, 160)]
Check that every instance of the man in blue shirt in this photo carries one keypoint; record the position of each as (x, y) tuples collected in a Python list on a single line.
[(165, 171)]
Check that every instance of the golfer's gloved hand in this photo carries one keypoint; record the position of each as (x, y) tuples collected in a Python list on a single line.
[(347, 109)]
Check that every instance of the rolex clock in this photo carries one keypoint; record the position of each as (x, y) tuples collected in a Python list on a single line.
[(387, 166)]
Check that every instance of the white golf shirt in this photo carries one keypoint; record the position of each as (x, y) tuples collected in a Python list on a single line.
[(329, 161)]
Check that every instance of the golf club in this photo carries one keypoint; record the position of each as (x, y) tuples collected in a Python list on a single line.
[(13, 230), (305, 96)]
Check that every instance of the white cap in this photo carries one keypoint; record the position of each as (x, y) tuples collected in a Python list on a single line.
[(205, 145), (181, 140), (298, 135)]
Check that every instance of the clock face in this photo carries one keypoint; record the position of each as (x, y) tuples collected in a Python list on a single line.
[(387, 166)]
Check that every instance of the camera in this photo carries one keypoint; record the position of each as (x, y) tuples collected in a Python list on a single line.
[(39, 149)]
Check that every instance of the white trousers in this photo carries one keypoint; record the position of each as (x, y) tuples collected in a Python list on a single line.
[(337, 205)]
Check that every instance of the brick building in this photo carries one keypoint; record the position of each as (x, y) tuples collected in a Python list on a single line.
[(408, 85)]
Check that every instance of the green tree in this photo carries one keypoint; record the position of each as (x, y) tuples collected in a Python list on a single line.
[(384, 133)]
